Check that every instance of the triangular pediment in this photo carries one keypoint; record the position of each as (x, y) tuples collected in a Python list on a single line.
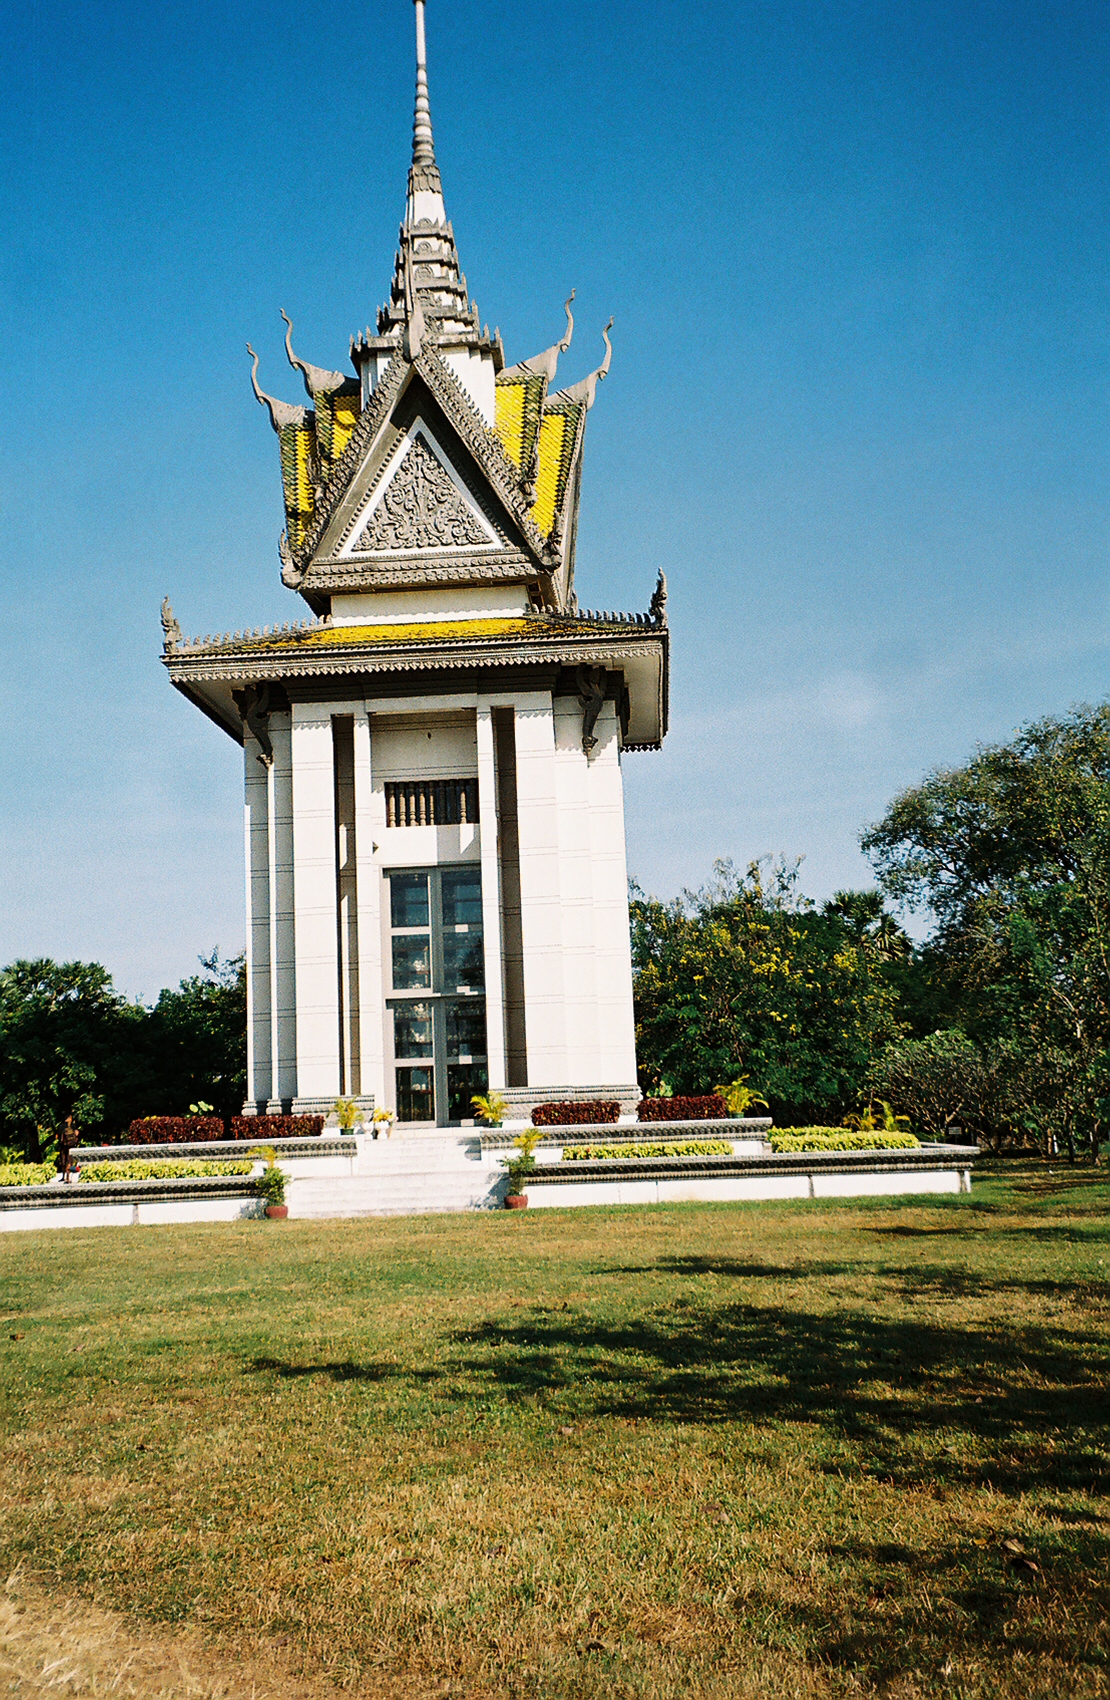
[(419, 504)]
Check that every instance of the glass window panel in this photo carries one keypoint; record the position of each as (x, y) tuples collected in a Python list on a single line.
[(466, 1029), (412, 961), (412, 1030), (463, 964), (462, 897), (409, 899), (416, 1100), (463, 1081)]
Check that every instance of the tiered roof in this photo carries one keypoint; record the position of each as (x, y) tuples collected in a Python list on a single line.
[(432, 465), (510, 442)]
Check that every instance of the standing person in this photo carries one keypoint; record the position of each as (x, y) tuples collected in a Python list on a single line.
[(67, 1139)]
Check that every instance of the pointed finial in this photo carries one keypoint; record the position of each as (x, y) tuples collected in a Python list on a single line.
[(423, 146), (281, 412), (586, 390), (171, 631), (317, 379), (565, 344), (604, 367)]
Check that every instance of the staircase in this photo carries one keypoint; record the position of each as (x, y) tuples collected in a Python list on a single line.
[(412, 1174)]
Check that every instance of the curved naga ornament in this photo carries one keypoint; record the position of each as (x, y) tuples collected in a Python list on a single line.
[(281, 412), (317, 379)]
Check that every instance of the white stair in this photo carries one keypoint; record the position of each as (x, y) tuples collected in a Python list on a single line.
[(408, 1175)]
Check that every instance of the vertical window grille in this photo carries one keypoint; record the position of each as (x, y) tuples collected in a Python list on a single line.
[(431, 802)]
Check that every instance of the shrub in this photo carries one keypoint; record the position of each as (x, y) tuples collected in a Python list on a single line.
[(518, 1168), (176, 1130), (161, 1169), (679, 1148), (576, 1115), (710, 1108), (26, 1174), (271, 1182), (276, 1127), (837, 1139)]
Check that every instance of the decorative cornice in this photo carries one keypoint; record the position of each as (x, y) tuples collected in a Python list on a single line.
[(358, 516), (420, 510), (511, 567), (483, 444), (338, 481), (282, 663)]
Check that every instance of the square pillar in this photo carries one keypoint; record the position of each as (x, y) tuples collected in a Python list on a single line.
[(256, 821), (540, 896), (316, 944), (283, 968), (491, 900), (369, 826)]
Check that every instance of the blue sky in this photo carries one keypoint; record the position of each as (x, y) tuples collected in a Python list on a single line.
[(857, 410)]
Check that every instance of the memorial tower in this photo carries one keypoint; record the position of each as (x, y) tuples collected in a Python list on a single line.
[(436, 880)]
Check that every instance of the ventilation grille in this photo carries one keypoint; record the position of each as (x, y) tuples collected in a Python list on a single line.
[(431, 802)]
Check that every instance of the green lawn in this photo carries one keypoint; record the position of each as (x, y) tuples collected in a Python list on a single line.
[(698, 1450)]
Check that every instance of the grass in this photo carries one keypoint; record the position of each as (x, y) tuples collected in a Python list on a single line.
[(699, 1450)]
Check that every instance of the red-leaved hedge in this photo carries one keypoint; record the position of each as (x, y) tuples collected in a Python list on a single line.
[(276, 1127), (711, 1108), (176, 1130), (576, 1115)]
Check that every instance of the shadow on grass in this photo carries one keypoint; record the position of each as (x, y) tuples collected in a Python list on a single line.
[(870, 1377), (343, 1370)]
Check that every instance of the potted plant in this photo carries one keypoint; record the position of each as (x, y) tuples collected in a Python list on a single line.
[(271, 1183), (347, 1114), (383, 1118), (490, 1107), (519, 1167), (739, 1096)]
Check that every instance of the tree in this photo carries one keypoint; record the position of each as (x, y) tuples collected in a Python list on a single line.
[(63, 1029), (935, 1081), (1011, 854), (70, 1045), (747, 976), (198, 1035)]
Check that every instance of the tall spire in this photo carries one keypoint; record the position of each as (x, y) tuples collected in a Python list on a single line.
[(427, 279), (423, 147), (425, 198)]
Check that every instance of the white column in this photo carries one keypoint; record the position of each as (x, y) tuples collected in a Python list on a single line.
[(584, 1040), (369, 823), (256, 835), (491, 899), (612, 950), (316, 939), (283, 970), (540, 918)]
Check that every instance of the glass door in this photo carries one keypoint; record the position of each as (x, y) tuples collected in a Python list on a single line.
[(437, 992)]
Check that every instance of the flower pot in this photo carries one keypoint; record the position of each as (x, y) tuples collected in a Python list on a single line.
[(516, 1201), (277, 1212)]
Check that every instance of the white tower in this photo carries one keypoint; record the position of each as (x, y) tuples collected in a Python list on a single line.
[(436, 880)]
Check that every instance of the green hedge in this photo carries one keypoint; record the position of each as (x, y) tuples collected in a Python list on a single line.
[(677, 1148), (839, 1139), (26, 1174), (161, 1169)]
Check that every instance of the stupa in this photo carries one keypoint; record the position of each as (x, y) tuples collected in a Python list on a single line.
[(437, 894)]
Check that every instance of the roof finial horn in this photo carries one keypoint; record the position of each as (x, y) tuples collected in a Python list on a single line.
[(566, 342), (281, 412)]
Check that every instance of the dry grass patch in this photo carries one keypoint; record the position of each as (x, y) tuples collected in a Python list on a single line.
[(53, 1646), (710, 1451)]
